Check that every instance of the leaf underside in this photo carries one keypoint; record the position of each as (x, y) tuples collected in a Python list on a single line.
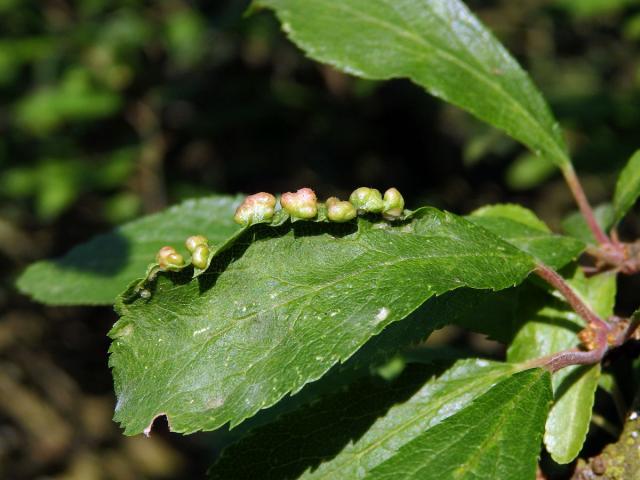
[(96, 272), (438, 44), (281, 306)]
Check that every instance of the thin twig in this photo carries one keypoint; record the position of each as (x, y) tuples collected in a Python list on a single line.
[(565, 358), (583, 204), (582, 309)]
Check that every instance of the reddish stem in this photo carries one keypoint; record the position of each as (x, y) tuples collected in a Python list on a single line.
[(563, 359), (600, 328), (583, 204), (555, 280)]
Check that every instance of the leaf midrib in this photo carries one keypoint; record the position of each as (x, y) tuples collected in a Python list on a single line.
[(493, 438)]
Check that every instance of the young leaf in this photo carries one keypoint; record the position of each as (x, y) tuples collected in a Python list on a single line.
[(568, 422), (497, 436), (520, 227), (575, 225), (95, 272), (440, 45), (314, 442), (553, 327), (512, 211), (282, 305), (628, 188)]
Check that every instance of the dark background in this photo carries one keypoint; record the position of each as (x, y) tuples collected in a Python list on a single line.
[(113, 109)]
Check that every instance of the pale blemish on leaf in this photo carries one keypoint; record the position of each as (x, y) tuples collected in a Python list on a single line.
[(382, 314)]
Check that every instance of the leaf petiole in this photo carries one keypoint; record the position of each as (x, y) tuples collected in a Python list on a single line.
[(555, 280), (583, 204), (573, 356)]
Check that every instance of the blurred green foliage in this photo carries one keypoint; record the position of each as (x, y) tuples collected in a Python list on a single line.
[(111, 109), (83, 86), (194, 92)]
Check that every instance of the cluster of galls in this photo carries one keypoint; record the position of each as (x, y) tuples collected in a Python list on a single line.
[(169, 259), (303, 204)]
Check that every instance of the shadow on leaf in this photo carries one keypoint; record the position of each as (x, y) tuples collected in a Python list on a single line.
[(317, 432)]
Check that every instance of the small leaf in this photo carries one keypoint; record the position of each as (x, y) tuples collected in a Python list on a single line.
[(514, 212), (528, 171), (520, 227), (440, 45), (570, 416), (627, 189), (597, 291), (95, 272), (497, 436), (282, 305), (314, 442), (583, 9), (575, 225), (552, 327)]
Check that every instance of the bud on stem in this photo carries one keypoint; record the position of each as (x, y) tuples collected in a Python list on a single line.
[(255, 208), (301, 204), (168, 258), (340, 211), (367, 200)]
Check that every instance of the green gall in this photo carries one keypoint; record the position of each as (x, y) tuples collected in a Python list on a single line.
[(340, 211), (195, 241), (200, 257), (168, 258), (301, 204), (255, 208), (393, 203), (367, 200)]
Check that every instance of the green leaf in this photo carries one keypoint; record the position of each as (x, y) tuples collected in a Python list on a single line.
[(484, 311), (552, 327), (440, 45), (512, 211), (497, 436), (628, 188), (95, 272), (592, 8), (281, 306), (349, 433), (74, 98), (575, 225), (520, 227), (570, 416), (528, 171)]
